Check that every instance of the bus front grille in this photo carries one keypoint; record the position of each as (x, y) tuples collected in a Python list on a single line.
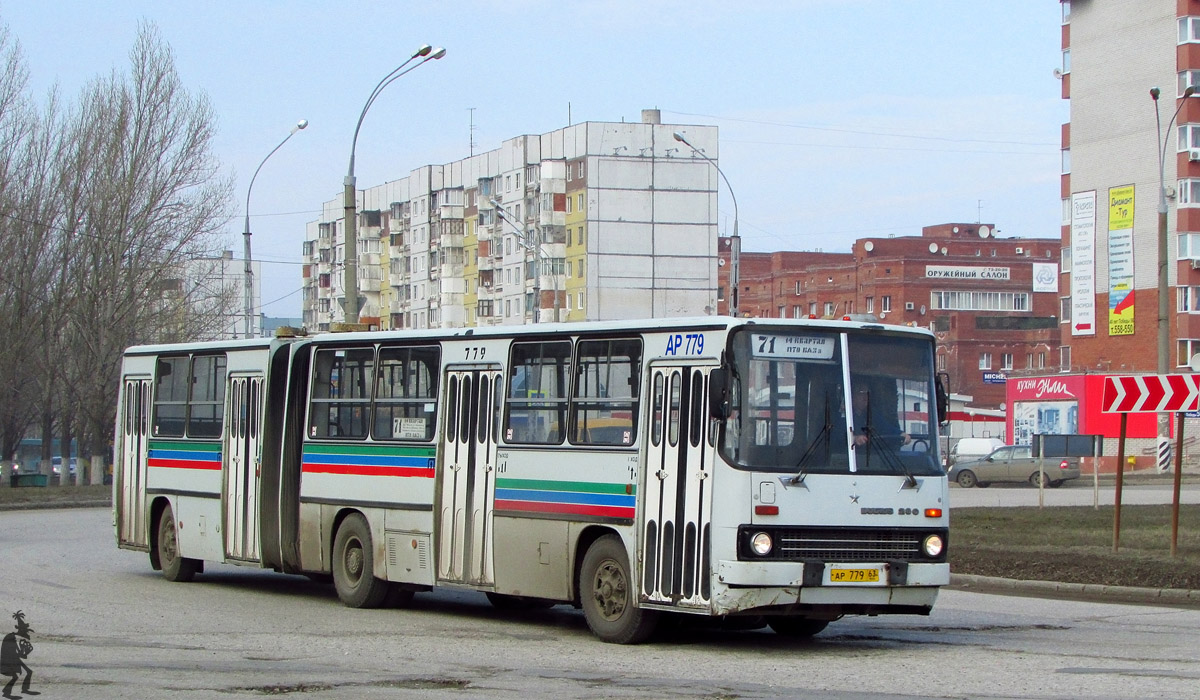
[(841, 545)]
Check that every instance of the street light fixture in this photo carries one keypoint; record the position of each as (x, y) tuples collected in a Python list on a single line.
[(1164, 335), (523, 239), (735, 252), (349, 198), (247, 272)]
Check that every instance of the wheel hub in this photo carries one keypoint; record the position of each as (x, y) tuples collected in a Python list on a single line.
[(610, 591)]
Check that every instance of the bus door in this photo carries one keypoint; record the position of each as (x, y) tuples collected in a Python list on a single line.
[(131, 472), (242, 440), (467, 478), (677, 485)]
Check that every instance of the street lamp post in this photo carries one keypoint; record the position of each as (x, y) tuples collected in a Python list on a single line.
[(539, 256), (1164, 335), (248, 273), (735, 252), (349, 199)]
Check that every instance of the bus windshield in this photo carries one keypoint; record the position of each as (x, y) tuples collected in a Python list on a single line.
[(791, 389)]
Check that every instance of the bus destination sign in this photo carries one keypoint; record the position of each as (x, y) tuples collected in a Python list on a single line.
[(796, 347)]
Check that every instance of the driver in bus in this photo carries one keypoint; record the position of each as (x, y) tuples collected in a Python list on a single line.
[(871, 414)]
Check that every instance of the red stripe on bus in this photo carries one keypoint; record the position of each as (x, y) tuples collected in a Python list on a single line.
[(183, 464), (565, 508), (365, 470)]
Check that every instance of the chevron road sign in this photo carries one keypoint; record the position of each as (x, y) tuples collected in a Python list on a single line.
[(1152, 393)]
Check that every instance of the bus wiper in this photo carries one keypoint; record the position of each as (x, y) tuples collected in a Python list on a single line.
[(888, 455), (822, 436), (885, 451)]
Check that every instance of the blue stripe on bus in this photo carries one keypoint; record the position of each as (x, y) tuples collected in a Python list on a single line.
[(367, 460), (184, 455), (595, 499)]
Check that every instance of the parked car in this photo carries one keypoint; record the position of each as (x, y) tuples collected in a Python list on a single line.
[(971, 448), (1014, 463)]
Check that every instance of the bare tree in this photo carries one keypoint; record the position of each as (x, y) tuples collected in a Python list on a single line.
[(152, 199)]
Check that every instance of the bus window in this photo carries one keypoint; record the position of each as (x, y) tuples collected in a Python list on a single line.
[(604, 406), (341, 393), (406, 393), (206, 404), (656, 430), (170, 396), (535, 412)]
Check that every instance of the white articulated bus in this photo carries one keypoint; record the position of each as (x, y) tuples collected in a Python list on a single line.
[(783, 469)]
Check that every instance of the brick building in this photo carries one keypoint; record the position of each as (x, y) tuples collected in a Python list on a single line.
[(993, 302)]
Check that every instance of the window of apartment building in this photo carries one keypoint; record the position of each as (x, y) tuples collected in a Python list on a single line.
[(1029, 360), (568, 172), (1189, 30), (580, 301), (797, 311), (581, 168), (569, 201), (579, 203), (1189, 246), (518, 180), (581, 236), (1066, 211), (870, 305), (799, 287), (1006, 361), (1189, 137), (885, 302), (1064, 358), (812, 308), (579, 271), (985, 360), (829, 308), (1187, 349), (508, 307), (1066, 161), (1064, 309), (569, 234), (1189, 192), (980, 301), (941, 362), (1065, 260), (1187, 78), (781, 314)]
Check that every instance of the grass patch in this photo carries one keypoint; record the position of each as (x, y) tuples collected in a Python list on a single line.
[(54, 494), (1074, 545)]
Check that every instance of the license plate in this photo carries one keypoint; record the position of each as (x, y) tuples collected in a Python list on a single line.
[(854, 575)]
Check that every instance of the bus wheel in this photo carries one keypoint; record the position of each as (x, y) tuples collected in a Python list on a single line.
[(797, 626), (174, 567), (354, 565), (606, 593)]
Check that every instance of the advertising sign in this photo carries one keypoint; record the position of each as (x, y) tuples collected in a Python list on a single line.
[(1045, 277), (1083, 255), (1120, 260)]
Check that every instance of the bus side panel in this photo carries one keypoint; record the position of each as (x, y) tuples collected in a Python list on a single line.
[(532, 558), (198, 527)]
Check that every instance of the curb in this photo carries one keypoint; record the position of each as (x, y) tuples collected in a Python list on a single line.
[(1171, 597), (43, 505)]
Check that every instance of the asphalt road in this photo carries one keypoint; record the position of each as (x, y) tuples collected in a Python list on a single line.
[(106, 626)]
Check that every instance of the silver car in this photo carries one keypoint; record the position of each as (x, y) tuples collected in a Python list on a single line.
[(1014, 463)]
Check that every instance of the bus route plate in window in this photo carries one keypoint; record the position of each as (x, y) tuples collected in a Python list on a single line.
[(794, 347), (848, 576)]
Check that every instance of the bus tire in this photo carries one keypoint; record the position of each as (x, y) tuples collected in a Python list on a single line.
[(354, 565), (797, 626), (607, 593), (174, 567)]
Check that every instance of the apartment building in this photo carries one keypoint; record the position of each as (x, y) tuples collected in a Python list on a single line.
[(594, 221)]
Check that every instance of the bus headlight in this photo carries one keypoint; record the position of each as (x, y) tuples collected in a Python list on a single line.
[(761, 544), (933, 546)]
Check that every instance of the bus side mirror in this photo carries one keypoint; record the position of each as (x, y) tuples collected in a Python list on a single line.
[(942, 381), (718, 393)]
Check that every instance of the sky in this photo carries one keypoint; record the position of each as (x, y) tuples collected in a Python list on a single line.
[(838, 120)]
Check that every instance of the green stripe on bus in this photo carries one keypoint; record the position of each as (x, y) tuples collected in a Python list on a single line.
[(572, 486), (369, 449), (190, 445)]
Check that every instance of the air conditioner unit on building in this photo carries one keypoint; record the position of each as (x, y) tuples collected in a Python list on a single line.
[(1194, 155), (1196, 263), (909, 306), (1020, 251)]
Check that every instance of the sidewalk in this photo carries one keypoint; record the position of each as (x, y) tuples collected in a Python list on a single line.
[(1166, 597)]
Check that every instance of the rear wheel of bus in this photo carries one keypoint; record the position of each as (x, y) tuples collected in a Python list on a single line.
[(174, 566), (354, 565), (606, 593)]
